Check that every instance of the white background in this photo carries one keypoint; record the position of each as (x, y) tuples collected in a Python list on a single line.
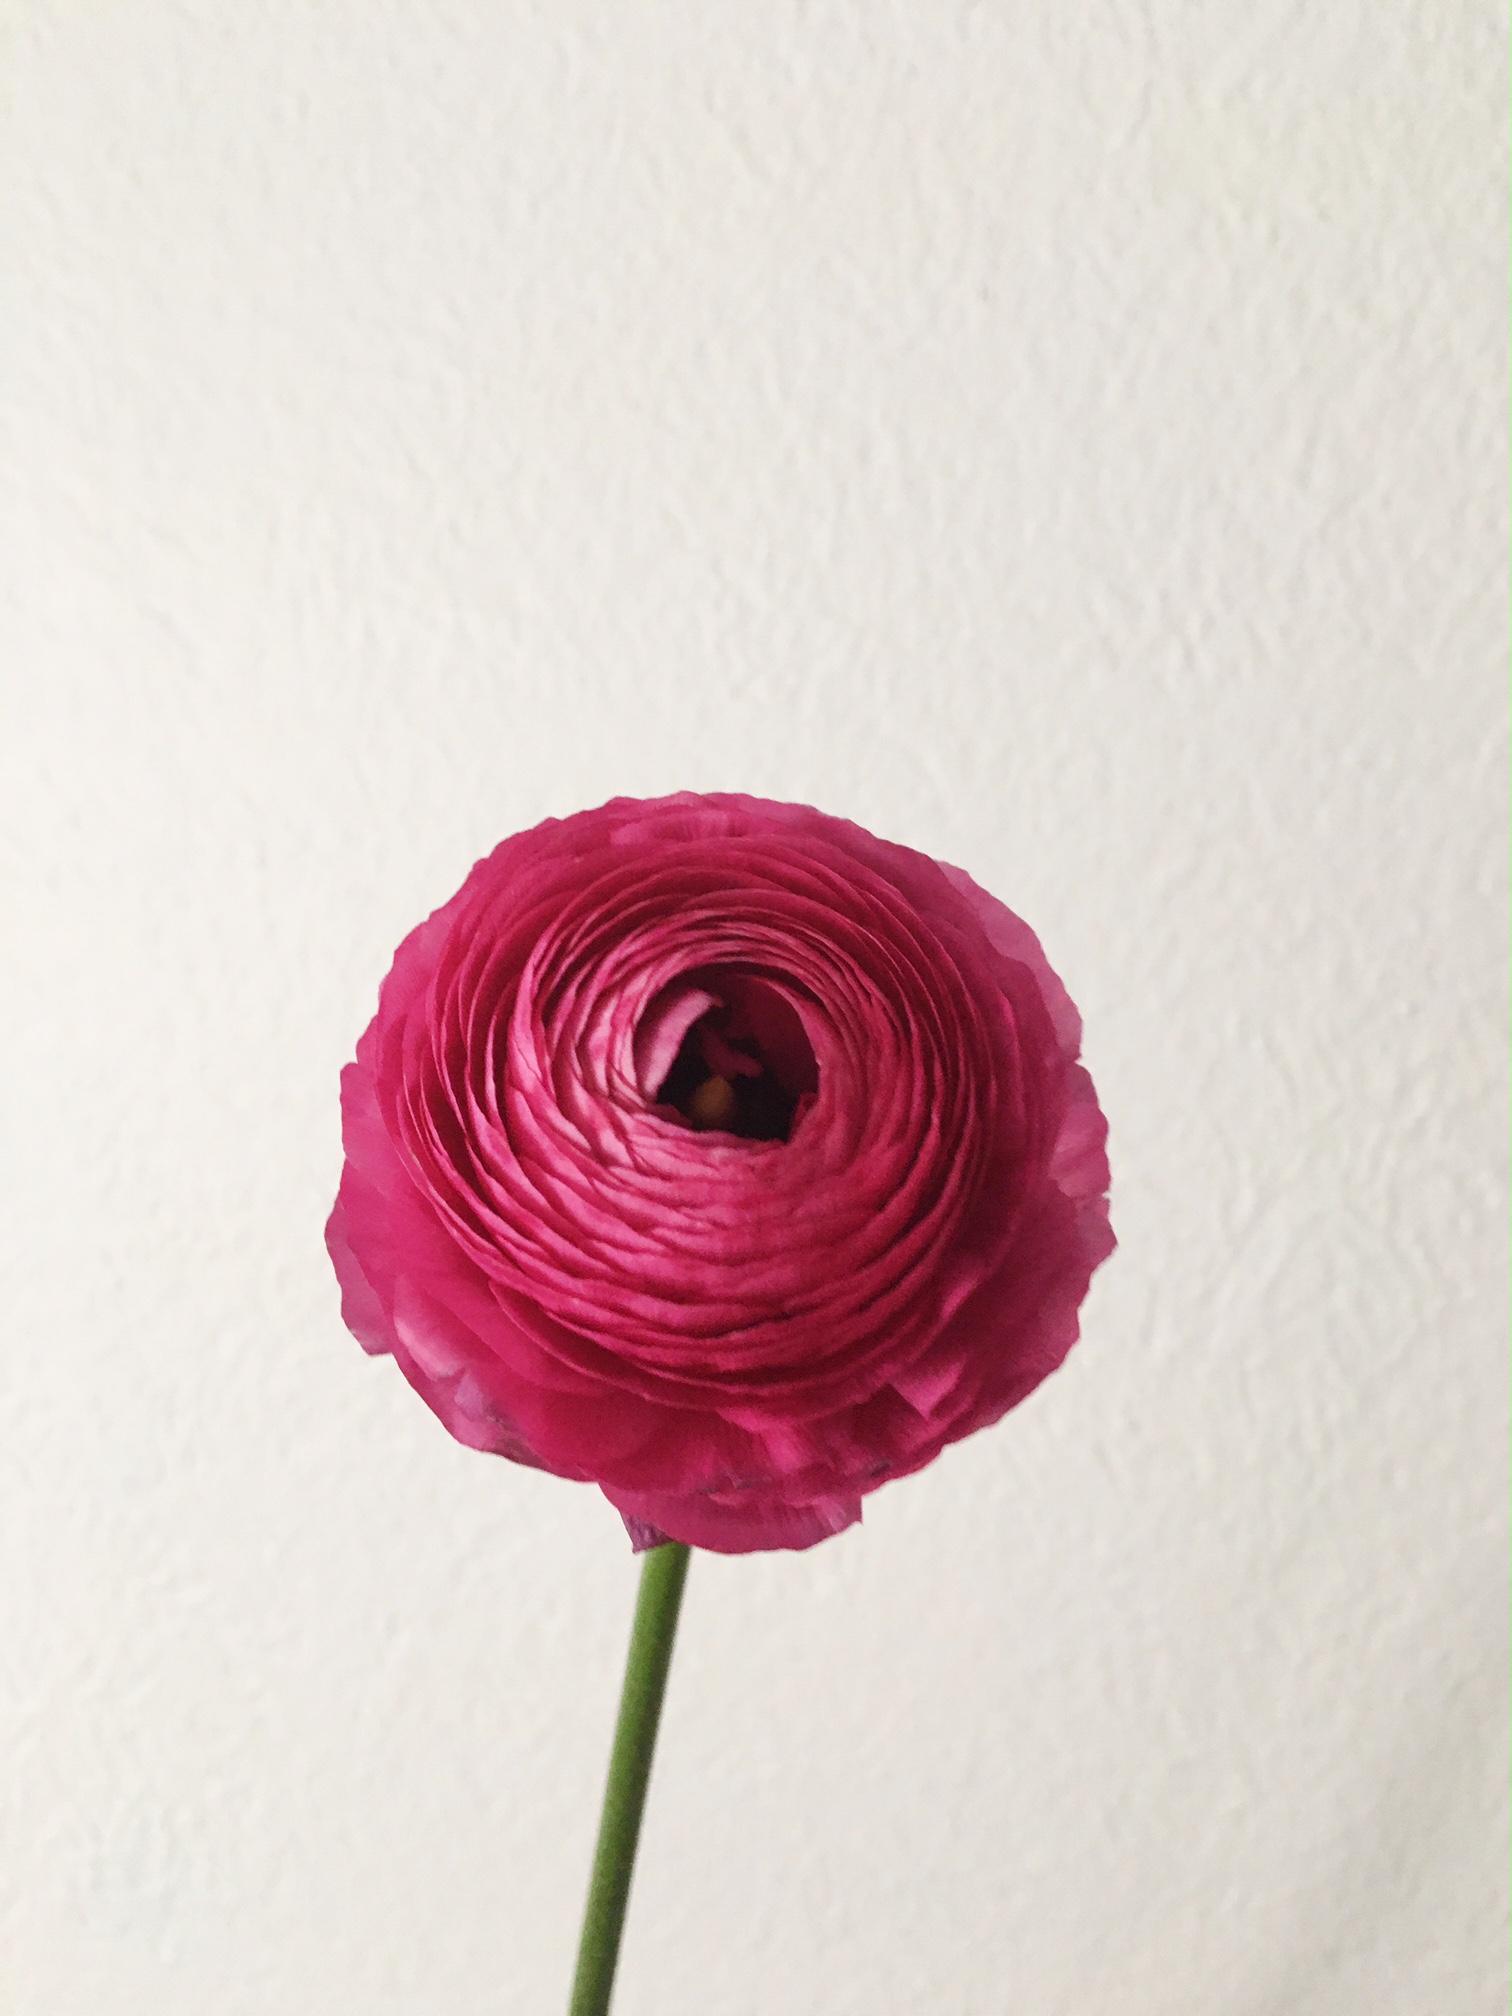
[(1069, 440)]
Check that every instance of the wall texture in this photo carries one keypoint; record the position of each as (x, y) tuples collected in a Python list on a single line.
[(1066, 439)]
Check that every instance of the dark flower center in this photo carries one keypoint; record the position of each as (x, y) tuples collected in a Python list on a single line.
[(743, 1067)]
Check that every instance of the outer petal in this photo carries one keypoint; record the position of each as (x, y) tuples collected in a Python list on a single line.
[(726, 1525)]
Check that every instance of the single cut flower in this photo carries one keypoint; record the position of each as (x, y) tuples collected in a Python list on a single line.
[(720, 1154)]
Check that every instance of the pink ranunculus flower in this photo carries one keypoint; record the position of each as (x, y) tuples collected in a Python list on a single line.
[(720, 1154)]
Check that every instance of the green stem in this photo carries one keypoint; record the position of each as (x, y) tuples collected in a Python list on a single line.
[(662, 1576)]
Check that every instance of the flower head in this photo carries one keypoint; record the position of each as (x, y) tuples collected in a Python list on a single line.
[(718, 1153)]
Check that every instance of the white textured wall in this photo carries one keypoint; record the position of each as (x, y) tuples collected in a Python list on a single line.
[(1066, 439)]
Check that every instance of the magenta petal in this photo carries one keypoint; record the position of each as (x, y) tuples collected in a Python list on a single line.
[(725, 1525), (361, 1310), (643, 1535)]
